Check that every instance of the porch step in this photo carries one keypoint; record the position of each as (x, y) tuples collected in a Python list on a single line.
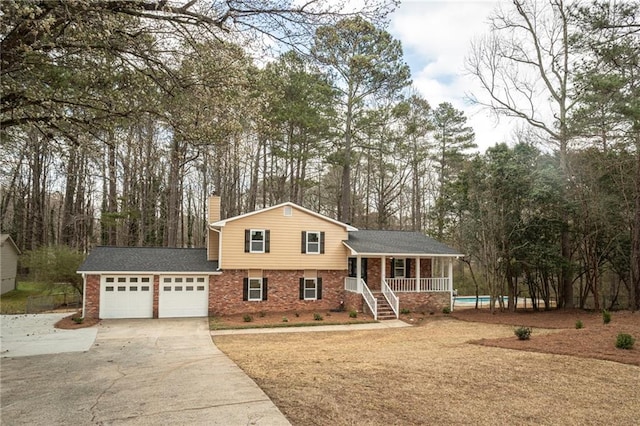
[(385, 312)]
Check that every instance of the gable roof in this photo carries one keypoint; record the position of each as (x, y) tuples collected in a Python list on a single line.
[(6, 237), (148, 259), (369, 242), (290, 204)]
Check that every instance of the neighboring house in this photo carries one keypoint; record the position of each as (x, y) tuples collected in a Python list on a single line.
[(281, 258), (8, 263)]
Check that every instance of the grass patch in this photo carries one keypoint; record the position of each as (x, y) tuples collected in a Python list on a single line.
[(15, 301)]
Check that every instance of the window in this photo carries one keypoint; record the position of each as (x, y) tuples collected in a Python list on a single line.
[(312, 242), (109, 288), (399, 268), (166, 280), (200, 279), (310, 288), (177, 280), (145, 279), (189, 280), (122, 279), (200, 288), (144, 288), (288, 211), (178, 288), (189, 288), (167, 288), (133, 288), (133, 279), (256, 241), (109, 279), (122, 288), (255, 289)]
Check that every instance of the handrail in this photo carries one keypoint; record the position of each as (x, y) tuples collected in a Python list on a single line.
[(393, 300), (370, 299), (424, 285), (351, 284)]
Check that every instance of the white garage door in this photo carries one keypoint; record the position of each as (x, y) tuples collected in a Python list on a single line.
[(126, 297), (183, 297)]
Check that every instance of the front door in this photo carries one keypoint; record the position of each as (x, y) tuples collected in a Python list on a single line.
[(353, 268)]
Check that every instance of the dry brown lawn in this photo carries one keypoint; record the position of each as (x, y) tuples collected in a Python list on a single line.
[(431, 374)]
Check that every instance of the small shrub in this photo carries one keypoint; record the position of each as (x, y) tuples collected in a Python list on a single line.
[(579, 324), (247, 318), (405, 311), (446, 310), (262, 314), (285, 319), (317, 317), (353, 314), (523, 333), (625, 341), (606, 317), (297, 314), (77, 320)]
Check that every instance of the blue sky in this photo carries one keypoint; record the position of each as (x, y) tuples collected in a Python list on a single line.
[(436, 36)]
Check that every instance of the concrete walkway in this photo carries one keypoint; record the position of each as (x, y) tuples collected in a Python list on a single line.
[(34, 334), (146, 372), (346, 327)]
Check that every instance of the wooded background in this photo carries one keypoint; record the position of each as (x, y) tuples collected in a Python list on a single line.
[(119, 119)]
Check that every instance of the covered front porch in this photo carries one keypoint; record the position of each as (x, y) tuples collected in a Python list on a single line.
[(395, 270)]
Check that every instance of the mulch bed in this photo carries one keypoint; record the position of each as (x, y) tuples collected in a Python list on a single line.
[(594, 340), (67, 323)]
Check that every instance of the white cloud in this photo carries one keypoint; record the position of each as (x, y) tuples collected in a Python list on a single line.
[(436, 37)]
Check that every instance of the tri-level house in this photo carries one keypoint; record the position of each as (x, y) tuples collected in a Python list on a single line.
[(281, 258)]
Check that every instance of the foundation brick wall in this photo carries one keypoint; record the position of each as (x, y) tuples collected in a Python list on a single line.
[(225, 292), (353, 301), (92, 297), (425, 302)]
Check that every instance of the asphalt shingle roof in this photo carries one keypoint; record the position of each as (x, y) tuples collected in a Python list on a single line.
[(151, 259), (397, 242)]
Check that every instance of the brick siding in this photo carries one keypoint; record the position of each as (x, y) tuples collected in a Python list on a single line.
[(92, 297), (425, 302), (225, 292)]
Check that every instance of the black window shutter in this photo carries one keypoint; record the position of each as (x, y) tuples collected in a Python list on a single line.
[(267, 240), (407, 268), (303, 245), (322, 242), (247, 242), (264, 289), (301, 288), (245, 289), (319, 281), (393, 268)]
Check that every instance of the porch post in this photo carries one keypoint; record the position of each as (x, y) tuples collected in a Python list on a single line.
[(359, 273), (383, 269), (451, 283), (417, 274)]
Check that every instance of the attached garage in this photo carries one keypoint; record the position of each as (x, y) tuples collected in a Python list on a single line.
[(147, 282), (183, 296), (126, 296)]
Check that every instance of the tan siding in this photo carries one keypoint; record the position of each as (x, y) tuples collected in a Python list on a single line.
[(285, 243), (213, 243), (214, 208)]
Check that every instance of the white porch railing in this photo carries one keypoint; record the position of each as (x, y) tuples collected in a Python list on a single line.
[(423, 285), (351, 284), (393, 300), (370, 299)]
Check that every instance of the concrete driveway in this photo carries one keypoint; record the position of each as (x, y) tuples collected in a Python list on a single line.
[(146, 372), (34, 334)]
